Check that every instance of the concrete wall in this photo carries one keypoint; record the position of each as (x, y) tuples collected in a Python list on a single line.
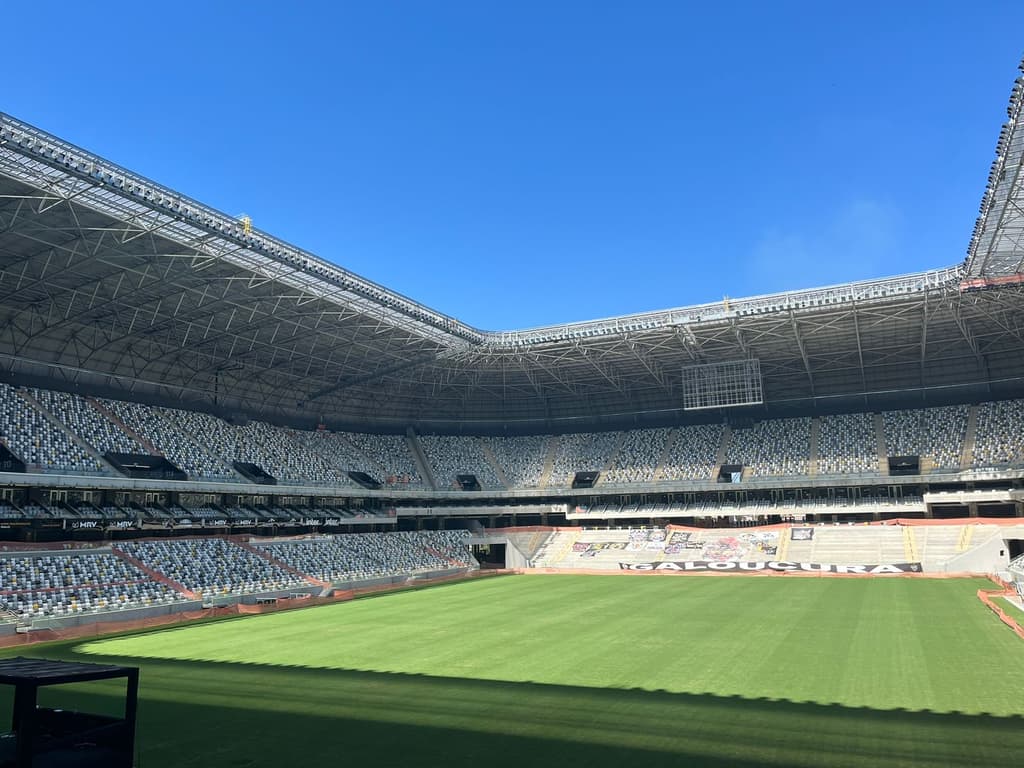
[(982, 559), (397, 580), (130, 614)]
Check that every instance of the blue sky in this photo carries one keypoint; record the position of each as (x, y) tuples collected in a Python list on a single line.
[(519, 164)]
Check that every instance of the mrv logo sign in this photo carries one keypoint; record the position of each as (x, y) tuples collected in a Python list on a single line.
[(779, 566)]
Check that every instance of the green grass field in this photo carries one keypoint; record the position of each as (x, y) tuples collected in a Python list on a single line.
[(587, 671)]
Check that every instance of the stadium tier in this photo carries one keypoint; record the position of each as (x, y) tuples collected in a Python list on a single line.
[(255, 387), (58, 432), (160, 574)]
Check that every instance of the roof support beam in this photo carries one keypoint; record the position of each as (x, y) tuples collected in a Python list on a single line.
[(803, 350)]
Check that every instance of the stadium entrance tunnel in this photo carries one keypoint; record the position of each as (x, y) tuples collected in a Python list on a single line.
[(490, 555), (1015, 547), (585, 479)]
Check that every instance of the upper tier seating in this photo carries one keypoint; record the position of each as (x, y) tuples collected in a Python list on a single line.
[(582, 452), (78, 414), (391, 454), (999, 439), (205, 446), (694, 453), (520, 458), (936, 433), (37, 441), (847, 444), (638, 456), (451, 456), (193, 441), (772, 448)]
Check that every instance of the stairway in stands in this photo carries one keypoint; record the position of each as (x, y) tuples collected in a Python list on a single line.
[(723, 451), (262, 553), (670, 443), (549, 462), (421, 460), (910, 552), (56, 421), (812, 452), (153, 574), (116, 420), (970, 438), (491, 459), (880, 446)]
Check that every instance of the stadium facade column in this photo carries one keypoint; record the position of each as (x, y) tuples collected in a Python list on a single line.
[(972, 509)]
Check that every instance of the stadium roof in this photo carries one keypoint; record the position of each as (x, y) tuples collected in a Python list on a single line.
[(110, 281), (997, 245)]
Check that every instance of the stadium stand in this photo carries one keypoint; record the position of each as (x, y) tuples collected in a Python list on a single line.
[(935, 434), (190, 440), (211, 567), (39, 442), (694, 453), (339, 452), (582, 452), (772, 448), (348, 557), (638, 456), (78, 415), (47, 584), (287, 458), (391, 454), (450, 456), (847, 444), (521, 458), (205, 446), (999, 440)]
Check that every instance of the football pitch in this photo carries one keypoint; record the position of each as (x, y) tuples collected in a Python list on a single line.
[(586, 671)]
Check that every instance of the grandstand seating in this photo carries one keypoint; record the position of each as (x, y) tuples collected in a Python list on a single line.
[(346, 557), (205, 446), (999, 440), (36, 440), (391, 454), (693, 454), (931, 433), (40, 585), (211, 567), (836, 544), (772, 448), (847, 444), (638, 456), (76, 413), (582, 452), (195, 442), (521, 458), (845, 544), (450, 456), (338, 452)]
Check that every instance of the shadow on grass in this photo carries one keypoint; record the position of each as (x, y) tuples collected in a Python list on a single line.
[(195, 713)]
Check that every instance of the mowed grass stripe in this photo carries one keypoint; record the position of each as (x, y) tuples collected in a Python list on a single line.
[(883, 643), (738, 644)]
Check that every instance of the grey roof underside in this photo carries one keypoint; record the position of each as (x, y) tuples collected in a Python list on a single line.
[(109, 280)]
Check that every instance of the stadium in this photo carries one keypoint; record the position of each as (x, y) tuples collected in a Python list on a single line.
[(328, 522)]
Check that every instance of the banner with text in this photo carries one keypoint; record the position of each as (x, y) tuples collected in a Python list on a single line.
[(778, 566)]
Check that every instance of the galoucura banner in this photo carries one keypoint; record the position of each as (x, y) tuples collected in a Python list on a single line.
[(777, 566)]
